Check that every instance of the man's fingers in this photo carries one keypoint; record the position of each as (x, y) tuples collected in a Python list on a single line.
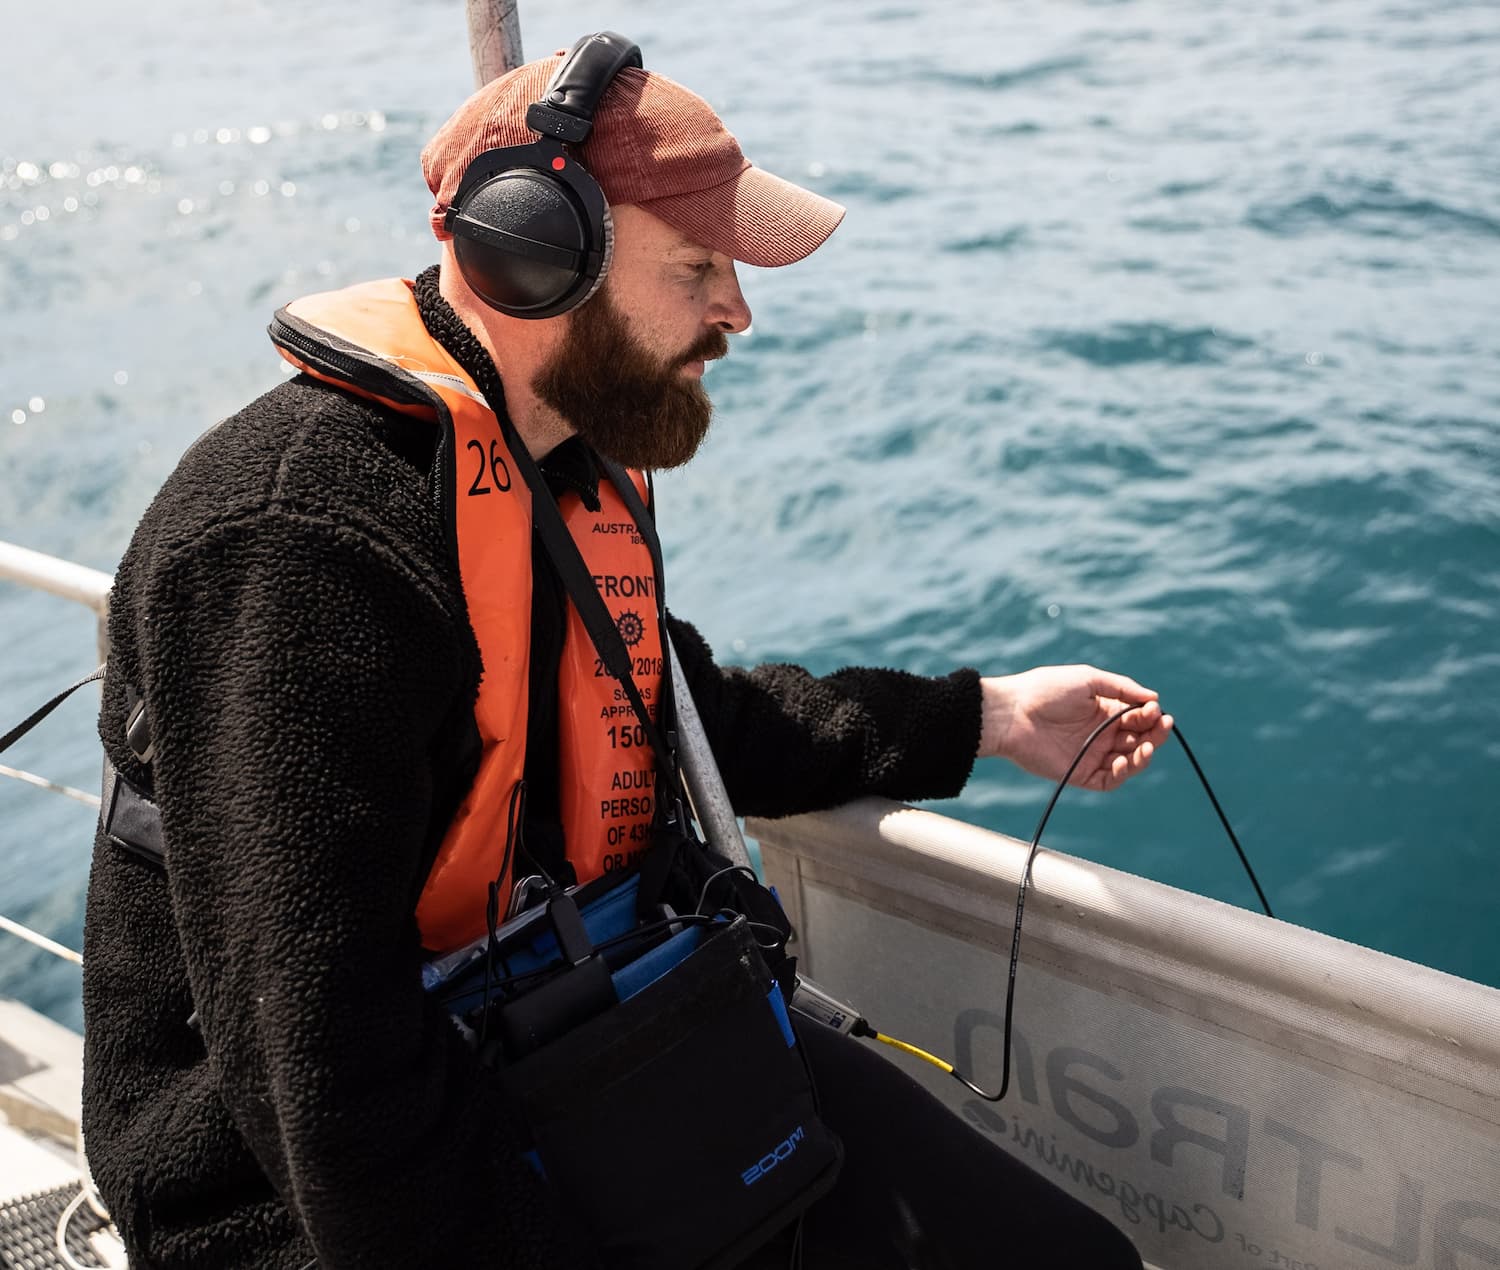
[(1146, 724), (1108, 684), (1120, 766), (1142, 718)]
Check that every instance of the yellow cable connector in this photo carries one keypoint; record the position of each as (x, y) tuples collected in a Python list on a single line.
[(907, 1048)]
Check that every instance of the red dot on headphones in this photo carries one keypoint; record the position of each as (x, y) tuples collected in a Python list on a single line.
[(559, 163)]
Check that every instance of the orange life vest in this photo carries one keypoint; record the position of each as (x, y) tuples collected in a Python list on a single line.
[(370, 340)]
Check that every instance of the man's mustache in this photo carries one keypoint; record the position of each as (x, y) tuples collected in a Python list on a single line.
[(714, 344)]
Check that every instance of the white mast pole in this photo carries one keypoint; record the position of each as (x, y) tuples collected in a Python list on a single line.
[(494, 38), (704, 784)]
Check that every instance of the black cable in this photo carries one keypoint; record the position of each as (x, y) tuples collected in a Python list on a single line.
[(1015, 938), (714, 877), (778, 940), (1224, 820), (862, 1026)]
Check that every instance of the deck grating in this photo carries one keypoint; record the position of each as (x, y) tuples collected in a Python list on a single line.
[(28, 1231)]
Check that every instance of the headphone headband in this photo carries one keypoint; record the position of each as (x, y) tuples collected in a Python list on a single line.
[(566, 110)]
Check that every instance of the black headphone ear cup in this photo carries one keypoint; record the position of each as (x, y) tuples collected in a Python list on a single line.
[(524, 243)]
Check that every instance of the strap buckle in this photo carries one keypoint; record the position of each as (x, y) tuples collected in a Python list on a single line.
[(138, 727)]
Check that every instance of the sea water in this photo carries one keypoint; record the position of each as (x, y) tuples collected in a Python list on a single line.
[(1161, 336)]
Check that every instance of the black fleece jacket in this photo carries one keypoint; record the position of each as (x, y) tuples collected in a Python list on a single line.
[(293, 618)]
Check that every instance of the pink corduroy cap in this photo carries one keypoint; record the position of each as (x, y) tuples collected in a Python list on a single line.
[(654, 144)]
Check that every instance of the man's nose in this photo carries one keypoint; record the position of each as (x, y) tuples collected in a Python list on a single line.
[(729, 312)]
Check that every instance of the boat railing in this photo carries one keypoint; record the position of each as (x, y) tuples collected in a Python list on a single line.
[(1183, 1066), (77, 582), (90, 588)]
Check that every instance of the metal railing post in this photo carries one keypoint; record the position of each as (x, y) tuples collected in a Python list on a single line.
[(75, 582)]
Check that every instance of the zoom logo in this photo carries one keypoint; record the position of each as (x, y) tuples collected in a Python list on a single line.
[(781, 1151)]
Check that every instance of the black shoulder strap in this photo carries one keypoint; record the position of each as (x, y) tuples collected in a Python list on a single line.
[(129, 816), (605, 635), (644, 515), (36, 716)]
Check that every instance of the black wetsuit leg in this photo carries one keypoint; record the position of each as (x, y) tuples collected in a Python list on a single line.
[(922, 1190)]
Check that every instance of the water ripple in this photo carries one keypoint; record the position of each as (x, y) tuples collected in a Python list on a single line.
[(1126, 343), (1000, 80), (1377, 210), (1004, 240)]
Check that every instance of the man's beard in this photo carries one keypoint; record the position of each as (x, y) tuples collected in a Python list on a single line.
[(625, 402)]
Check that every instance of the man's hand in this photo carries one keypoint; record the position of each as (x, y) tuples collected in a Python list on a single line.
[(1039, 719)]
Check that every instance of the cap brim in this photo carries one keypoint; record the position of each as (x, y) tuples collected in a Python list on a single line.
[(754, 217)]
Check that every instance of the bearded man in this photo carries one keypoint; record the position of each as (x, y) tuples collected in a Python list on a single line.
[(351, 655)]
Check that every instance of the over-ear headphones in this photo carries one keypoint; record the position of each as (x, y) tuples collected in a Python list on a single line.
[(531, 228)]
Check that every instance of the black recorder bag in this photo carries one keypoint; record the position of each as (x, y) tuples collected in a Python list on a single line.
[(666, 1094), (681, 1125)]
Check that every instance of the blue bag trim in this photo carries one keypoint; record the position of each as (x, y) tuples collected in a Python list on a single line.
[(778, 1008), (457, 979), (651, 966)]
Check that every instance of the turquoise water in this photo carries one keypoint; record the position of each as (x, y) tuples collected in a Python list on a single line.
[(1160, 336)]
